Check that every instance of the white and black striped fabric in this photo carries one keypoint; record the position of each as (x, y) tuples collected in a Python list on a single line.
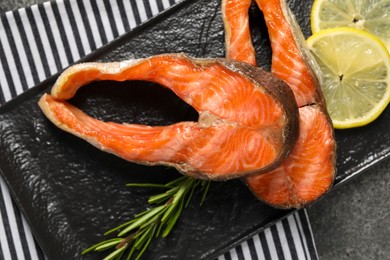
[(40, 40)]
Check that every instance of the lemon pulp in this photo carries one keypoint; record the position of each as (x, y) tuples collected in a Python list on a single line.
[(370, 15), (355, 68)]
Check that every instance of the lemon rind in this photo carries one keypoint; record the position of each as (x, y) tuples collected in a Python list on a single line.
[(374, 113)]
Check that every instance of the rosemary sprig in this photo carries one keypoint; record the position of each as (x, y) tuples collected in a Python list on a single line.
[(136, 234)]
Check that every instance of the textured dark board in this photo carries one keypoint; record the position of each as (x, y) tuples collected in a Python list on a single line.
[(71, 192)]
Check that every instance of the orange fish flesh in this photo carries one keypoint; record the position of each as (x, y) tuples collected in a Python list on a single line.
[(289, 56), (238, 39), (309, 170), (248, 120)]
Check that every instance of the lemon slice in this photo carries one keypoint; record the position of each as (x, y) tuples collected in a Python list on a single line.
[(355, 67), (370, 15)]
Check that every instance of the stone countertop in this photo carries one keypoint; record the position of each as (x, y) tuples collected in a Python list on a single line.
[(351, 222), (8, 5)]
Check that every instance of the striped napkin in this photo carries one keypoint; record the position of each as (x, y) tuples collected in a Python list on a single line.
[(40, 40)]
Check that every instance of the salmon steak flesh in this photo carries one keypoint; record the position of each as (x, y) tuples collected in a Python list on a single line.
[(309, 171), (248, 119)]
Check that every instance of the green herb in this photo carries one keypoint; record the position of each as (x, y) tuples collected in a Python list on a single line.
[(135, 235)]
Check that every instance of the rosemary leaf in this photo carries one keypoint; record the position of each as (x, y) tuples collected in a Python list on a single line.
[(147, 185), (160, 218), (93, 248), (168, 212), (176, 181), (142, 220), (115, 253), (132, 250), (155, 219), (172, 221), (159, 198), (206, 185), (159, 229), (139, 233), (108, 245), (191, 193), (140, 240), (183, 189), (138, 215), (119, 227), (146, 244), (119, 256)]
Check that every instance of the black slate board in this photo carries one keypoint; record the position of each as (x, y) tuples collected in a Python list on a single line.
[(71, 192)]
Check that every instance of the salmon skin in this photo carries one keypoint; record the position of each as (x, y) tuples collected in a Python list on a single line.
[(291, 60), (248, 120), (309, 170)]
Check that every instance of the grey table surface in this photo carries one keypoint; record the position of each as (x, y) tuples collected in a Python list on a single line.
[(351, 222)]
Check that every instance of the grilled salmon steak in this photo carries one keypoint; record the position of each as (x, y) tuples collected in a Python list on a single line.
[(309, 170), (248, 119)]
